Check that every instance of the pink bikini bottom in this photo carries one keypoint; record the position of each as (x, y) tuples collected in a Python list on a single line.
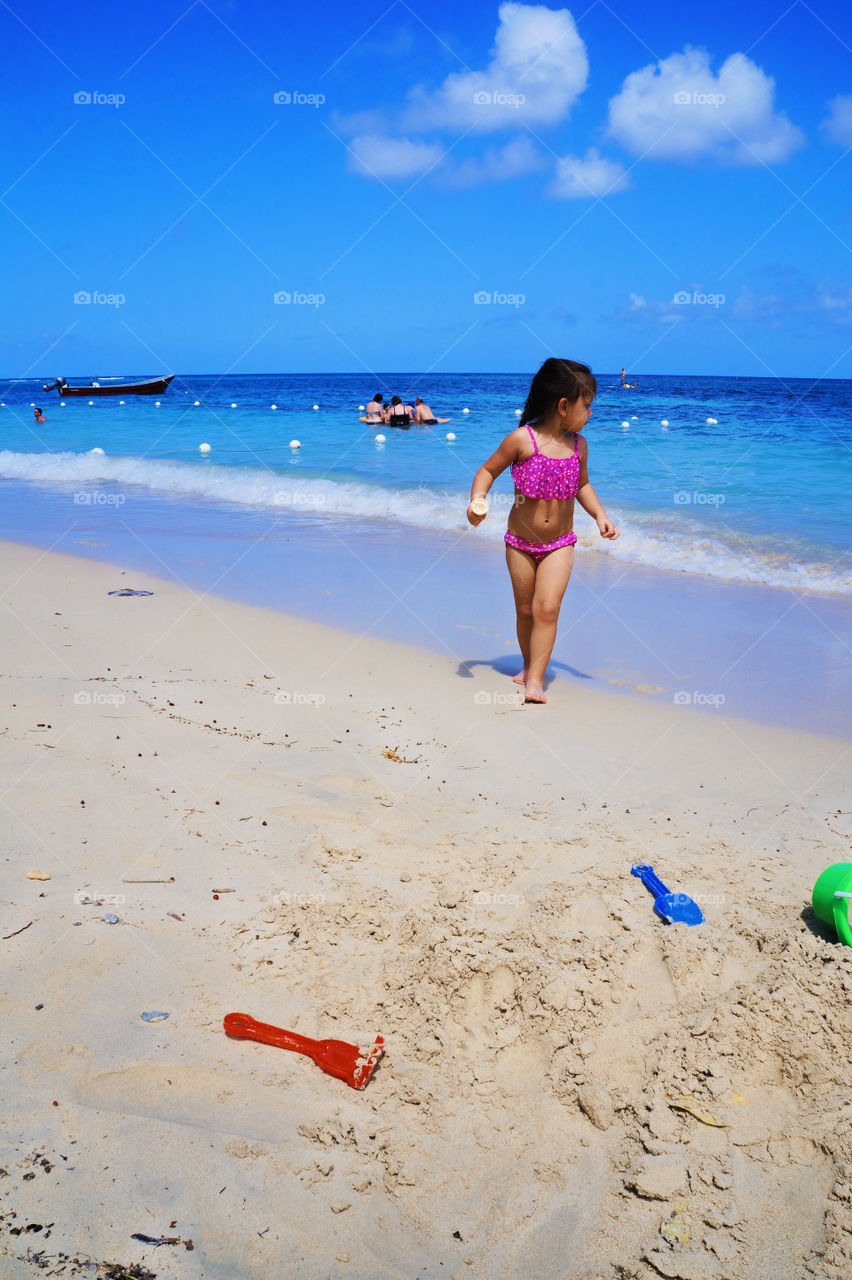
[(538, 550)]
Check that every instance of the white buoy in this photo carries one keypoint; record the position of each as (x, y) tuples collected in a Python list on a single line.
[(664, 422), (518, 413), (204, 448), (62, 404), (380, 439), (295, 444), (233, 406), (196, 403), (360, 408), (32, 404), (634, 418), (96, 450), (465, 410), (451, 435), (157, 403), (91, 402), (121, 402), (316, 406), (625, 424), (273, 406), (713, 421)]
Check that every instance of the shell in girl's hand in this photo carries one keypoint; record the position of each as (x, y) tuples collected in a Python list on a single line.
[(479, 507)]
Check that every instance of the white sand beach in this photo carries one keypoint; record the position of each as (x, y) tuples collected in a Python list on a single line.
[(347, 837)]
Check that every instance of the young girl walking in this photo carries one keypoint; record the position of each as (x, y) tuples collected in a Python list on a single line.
[(549, 461)]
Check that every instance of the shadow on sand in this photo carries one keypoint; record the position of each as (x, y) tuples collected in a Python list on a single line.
[(817, 927), (509, 666)]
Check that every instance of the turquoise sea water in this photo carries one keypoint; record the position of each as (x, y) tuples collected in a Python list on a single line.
[(759, 495)]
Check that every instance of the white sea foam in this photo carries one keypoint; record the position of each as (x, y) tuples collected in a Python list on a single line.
[(671, 542)]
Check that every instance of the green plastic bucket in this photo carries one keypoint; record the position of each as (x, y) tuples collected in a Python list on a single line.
[(832, 898)]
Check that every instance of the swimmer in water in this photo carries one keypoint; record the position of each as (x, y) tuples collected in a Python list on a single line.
[(38, 415), (374, 410), (424, 415)]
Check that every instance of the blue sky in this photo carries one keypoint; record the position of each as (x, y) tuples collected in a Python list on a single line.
[(574, 169)]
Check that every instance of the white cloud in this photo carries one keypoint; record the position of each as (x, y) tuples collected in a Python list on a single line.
[(837, 126), (498, 164), (375, 156), (581, 178), (537, 71), (639, 309), (782, 299), (679, 110), (830, 304)]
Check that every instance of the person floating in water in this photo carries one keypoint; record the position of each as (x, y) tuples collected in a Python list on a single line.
[(38, 415), (398, 414), (549, 474), (424, 415), (375, 410), (628, 386)]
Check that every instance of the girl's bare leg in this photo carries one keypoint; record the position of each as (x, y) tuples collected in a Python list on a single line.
[(522, 571), (551, 579)]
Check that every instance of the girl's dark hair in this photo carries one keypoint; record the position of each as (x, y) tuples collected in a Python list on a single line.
[(377, 398), (395, 400), (557, 380)]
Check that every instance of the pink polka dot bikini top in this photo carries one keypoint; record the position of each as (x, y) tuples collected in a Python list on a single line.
[(544, 477)]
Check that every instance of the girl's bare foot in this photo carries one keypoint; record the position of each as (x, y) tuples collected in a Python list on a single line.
[(521, 677), (534, 693)]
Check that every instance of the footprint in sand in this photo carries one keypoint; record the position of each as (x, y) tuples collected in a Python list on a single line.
[(187, 1094)]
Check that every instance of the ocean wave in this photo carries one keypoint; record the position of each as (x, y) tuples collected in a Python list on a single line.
[(672, 542)]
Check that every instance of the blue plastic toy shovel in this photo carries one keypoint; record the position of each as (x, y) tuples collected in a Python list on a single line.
[(675, 908)]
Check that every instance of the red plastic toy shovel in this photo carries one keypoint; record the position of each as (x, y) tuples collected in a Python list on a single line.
[(336, 1057)]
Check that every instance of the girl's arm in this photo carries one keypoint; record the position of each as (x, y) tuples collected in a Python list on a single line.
[(502, 458), (588, 499)]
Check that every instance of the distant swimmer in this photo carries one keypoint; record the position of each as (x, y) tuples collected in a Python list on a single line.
[(39, 416), (424, 415), (398, 414), (374, 412)]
